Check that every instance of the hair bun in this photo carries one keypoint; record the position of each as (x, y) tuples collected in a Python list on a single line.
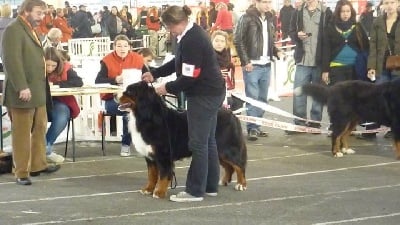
[(187, 10)]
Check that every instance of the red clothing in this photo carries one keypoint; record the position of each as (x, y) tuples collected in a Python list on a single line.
[(224, 20), (62, 24), (46, 24), (153, 25), (69, 100), (116, 64)]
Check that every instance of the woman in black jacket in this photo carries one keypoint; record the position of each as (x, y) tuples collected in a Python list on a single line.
[(343, 40), (114, 23), (199, 77)]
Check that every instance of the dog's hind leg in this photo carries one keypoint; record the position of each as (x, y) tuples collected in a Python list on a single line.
[(230, 167), (228, 171), (338, 130), (241, 184), (397, 148), (345, 137), (152, 176)]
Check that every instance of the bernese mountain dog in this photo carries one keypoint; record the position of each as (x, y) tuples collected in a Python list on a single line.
[(351, 102), (160, 134)]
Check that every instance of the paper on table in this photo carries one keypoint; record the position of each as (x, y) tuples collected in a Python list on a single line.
[(130, 76)]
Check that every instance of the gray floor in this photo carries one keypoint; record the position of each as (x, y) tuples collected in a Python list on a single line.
[(291, 180)]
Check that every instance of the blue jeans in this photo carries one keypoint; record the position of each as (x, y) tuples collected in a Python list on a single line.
[(112, 108), (256, 84), (203, 174), (305, 75), (60, 115)]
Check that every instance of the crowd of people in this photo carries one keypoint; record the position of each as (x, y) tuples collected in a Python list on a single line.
[(327, 46)]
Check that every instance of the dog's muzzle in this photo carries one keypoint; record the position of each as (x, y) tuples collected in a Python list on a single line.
[(124, 107)]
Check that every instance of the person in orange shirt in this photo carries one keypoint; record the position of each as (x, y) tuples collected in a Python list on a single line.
[(47, 22), (112, 68), (61, 23)]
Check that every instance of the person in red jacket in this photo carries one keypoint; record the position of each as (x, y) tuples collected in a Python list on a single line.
[(224, 19), (60, 72), (61, 23), (112, 67), (47, 22), (153, 25)]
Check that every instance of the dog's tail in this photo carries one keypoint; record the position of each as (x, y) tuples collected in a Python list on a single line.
[(318, 92)]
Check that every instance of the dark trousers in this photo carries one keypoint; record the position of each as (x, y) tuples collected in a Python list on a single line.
[(203, 174), (341, 73)]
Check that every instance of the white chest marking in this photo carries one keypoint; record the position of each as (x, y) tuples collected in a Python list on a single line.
[(141, 147)]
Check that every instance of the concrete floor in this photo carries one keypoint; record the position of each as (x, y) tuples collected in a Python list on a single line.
[(291, 180)]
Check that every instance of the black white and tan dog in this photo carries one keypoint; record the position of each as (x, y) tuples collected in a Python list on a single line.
[(351, 102), (160, 134)]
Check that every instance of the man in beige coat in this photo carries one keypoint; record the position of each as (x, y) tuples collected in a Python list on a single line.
[(25, 92)]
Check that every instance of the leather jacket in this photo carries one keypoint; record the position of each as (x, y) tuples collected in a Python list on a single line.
[(248, 38)]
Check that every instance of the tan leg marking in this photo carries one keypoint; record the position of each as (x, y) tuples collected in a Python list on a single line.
[(162, 188), (228, 171), (152, 177), (397, 148)]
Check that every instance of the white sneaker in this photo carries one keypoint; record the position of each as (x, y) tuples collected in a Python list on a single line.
[(185, 197), (212, 194), (55, 158), (125, 151)]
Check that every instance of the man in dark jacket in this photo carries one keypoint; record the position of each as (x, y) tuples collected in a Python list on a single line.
[(306, 30), (81, 24), (255, 50), (284, 16), (367, 17)]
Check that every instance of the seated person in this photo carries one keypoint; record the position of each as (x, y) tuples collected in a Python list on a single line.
[(148, 56), (53, 39), (112, 66), (60, 72)]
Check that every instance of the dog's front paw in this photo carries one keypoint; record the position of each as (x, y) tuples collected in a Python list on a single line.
[(145, 192), (348, 151), (338, 155), (159, 194), (240, 187)]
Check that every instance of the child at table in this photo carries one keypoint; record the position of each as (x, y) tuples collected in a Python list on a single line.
[(59, 72), (148, 57)]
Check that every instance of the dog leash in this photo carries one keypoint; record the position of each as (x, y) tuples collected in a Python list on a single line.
[(174, 182)]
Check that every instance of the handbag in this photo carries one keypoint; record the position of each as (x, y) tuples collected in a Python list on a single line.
[(229, 79), (96, 29), (392, 61)]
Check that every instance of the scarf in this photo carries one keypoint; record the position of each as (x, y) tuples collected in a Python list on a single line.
[(344, 25), (223, 58)]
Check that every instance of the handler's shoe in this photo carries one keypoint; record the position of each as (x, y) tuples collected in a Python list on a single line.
[(184, 197), (125, 151), (212, 194)]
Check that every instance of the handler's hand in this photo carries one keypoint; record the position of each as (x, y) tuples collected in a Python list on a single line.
[(371, 74), (248, 67), (325, 77), (119, 79), (25, 95), (160, 90), (148, 77)]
